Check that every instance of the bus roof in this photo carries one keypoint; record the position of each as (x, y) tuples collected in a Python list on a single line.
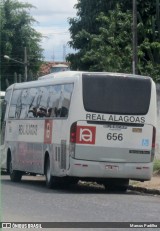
[(59, 74), (47, 81), (73, 73), (60, 65), (66, 77)]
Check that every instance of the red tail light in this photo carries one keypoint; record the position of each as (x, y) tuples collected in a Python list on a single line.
[(73, 131), (72, 145), (154, 138)]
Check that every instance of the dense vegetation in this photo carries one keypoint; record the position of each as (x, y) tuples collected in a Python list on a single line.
[(101, 34), (16, 34), (156, 166)]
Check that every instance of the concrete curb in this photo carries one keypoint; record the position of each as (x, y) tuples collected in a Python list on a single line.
[(144, 190), (130, 187)]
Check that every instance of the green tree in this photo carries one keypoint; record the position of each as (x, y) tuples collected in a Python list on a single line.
[(149, 38), (17, 33), (102, 36), (111, 49), (84, 26)]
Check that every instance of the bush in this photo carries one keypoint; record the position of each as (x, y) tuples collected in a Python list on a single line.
[(156, 166)]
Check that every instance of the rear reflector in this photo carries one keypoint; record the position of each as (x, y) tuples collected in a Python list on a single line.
[(73, 131), (154, 138), (153, 144)]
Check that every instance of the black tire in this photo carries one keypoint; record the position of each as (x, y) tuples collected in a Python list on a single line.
[(73, 181), (67, 182), (117, 185), (33, 174), (50, 180), (15, 175)]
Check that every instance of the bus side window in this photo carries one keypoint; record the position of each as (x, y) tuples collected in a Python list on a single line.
[(53, 100), (49, 101), (16, 104), (33, 102), (65, 99), (38, 102), (25, 98), (43, 102)]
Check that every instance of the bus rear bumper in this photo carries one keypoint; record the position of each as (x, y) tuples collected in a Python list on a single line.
[(93, 169)]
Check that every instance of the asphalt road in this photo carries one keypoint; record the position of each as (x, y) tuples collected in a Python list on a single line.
[(31, 201)]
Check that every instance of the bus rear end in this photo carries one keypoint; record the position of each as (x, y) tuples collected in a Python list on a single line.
[(114, 139)]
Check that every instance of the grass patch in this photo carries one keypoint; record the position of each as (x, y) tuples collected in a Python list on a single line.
[(156, 166)]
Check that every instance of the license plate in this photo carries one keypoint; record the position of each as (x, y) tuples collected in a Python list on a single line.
[(112, 167)]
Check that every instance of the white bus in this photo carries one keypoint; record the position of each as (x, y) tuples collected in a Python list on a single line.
[(59, 68), (2, 95), (97, 127)]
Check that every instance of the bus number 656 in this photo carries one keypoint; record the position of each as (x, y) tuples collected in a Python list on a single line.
[(115, 136)]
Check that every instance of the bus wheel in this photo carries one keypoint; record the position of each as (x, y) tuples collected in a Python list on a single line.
[(50, 180), (117, 185), (15, 175)]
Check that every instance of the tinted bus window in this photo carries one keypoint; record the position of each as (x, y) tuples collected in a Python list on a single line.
[(53, 102), (67, 92), (116, 95), (47, 101), (16, 104), (25, 98), (33, 103), (60, 68)]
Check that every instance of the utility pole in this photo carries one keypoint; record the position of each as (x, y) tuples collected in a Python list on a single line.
[(135, 59), (25, 64)]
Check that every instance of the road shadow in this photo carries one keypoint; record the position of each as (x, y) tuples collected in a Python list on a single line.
[(3, 173), (37, 183)]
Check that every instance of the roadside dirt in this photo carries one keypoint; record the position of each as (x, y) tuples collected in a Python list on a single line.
[(154, 183)]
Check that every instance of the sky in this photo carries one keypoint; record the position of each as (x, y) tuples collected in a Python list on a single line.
[(52, 17)]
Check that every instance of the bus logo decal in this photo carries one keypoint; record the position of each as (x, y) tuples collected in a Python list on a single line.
[(48, 132), (86, 135), (145, 142)]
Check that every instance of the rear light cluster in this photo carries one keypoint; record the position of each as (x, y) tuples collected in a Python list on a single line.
[(153, 144), (73, 132)]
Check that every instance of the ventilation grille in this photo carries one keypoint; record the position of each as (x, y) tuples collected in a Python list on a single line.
[(63, 154)]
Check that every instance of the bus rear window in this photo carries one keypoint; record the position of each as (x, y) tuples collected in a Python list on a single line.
[(116, 94)]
